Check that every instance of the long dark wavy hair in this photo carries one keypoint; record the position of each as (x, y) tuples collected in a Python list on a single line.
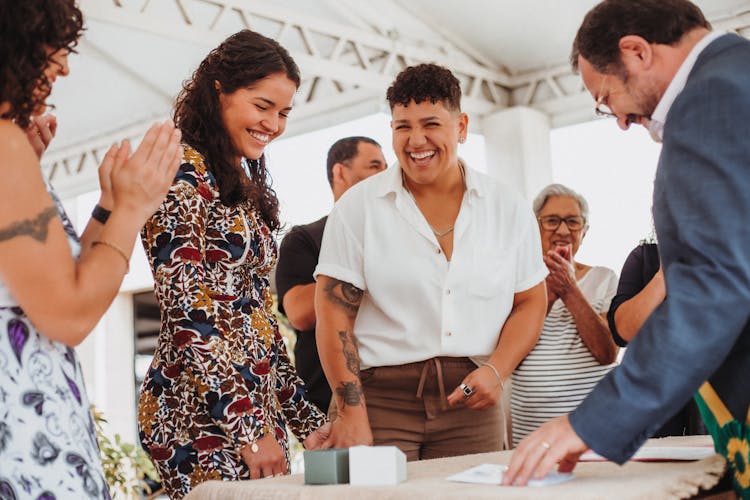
[(29, 31), (239, 62)]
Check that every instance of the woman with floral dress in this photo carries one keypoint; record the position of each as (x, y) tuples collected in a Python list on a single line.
[(55, 286), (221, 390)]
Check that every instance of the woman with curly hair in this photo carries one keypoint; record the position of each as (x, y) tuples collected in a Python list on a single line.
[(221, 391), (440, 267), (55, 286)]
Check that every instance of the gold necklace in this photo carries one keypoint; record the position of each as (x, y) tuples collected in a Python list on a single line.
[(438, 234)]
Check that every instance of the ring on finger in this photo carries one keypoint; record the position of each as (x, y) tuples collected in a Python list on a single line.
[(545, 445), (468, 391)]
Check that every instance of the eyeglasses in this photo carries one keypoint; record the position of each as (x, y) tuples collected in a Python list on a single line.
[(552, 222), (602, 108)]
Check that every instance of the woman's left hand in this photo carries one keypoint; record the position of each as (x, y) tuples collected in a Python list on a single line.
[(485, 390), (562, 273), (317, 437)]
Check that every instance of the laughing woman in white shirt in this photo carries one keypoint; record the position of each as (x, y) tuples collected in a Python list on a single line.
[(430, 287)]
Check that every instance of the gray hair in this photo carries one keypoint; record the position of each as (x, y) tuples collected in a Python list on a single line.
[(560, 190)]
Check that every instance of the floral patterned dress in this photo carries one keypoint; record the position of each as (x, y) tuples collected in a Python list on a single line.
[(221, 378), (48, 445)]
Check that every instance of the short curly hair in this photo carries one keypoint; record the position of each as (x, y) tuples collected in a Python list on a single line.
[(31, 31), (425, 82)]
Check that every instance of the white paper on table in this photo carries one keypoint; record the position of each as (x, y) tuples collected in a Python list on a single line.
[(659, 453), (493, 474)]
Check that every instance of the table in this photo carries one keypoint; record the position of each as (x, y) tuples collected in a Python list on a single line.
[(426, 480)]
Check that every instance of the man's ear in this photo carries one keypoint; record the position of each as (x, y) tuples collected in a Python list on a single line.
[(635, 52), (217, 86), (338, 173)]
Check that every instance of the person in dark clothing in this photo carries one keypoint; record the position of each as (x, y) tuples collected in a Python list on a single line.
[(640, 290), (350, 160)]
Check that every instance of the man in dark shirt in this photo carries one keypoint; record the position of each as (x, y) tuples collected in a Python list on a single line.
[(350, 160)]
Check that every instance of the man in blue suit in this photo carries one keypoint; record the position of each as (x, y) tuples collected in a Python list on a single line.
[(658, 64)]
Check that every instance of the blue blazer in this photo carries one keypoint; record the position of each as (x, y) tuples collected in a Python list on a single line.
[(702, 216)]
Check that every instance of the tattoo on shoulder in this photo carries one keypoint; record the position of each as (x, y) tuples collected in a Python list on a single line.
[(344, 295), (37, 228), (350, 353), (351, 393)]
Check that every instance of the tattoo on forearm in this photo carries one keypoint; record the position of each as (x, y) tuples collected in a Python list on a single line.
[(350, 353), (344, 295), (351, 393), (37, 228)]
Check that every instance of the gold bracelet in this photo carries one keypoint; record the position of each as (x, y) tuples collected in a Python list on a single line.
[(497, 373), (117, 249)]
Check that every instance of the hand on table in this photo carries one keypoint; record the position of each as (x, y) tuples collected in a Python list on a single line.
[(485, 387), (553, 443), (268, 461), (349, 430), (317, 437), (40, 132)]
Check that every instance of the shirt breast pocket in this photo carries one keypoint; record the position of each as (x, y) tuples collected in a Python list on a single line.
[(493, 273)]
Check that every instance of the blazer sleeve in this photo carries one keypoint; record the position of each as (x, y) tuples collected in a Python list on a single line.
[(701, 204)]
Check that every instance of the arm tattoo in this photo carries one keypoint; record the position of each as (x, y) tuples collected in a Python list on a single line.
[(350, 353), (37, 227), (351, 393), (344, 295)]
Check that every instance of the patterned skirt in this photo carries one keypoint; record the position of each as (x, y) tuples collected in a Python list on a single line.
[(48, 446)]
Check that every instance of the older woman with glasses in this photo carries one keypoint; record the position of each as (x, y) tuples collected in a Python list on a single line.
[(576, 348)]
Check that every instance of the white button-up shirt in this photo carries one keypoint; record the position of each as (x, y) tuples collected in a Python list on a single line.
[(417, 304)]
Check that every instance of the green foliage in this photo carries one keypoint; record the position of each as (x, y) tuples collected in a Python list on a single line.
[(126, 465)]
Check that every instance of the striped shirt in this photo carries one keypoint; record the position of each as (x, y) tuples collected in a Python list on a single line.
[(560, 371)]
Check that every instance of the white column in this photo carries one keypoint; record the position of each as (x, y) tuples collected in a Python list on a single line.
[(518, 148), (108, 367)]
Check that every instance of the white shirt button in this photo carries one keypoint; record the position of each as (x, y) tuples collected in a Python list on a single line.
[(438, 250), (448, 291), (448, 334)]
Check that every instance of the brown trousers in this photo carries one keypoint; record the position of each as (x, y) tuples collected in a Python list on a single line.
[(407, 408)]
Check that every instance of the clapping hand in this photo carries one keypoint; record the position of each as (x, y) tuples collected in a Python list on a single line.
[(562, 274), (140, 183), (40, 133)]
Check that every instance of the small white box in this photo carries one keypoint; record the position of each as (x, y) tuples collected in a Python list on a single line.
[(376, 465)]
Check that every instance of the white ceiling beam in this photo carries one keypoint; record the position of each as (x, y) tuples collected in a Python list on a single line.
[(369, 20), (73, 169), (549, 90), (449, 35), (92, 48), (109, 11)]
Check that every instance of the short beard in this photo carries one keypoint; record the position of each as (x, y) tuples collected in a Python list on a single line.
[(645, 94)]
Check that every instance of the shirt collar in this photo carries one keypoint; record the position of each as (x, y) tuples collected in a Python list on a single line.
[(393, 182), (659, 116)]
